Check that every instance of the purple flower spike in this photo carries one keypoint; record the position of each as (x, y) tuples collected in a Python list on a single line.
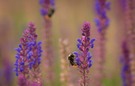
[(28, 55), (101, 8), (24, 50), (83, 59)]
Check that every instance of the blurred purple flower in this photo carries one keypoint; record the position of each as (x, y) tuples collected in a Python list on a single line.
[(101, 7), (83, 59)]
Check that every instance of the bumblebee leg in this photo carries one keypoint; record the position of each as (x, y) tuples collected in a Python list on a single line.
[(75, 65)]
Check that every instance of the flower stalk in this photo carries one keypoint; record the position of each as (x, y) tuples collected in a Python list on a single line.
[(83, 57), (47, 10), (102, 23)]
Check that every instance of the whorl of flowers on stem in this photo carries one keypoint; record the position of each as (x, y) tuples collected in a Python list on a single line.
[(83, 57), (28, 55), (101, 8)]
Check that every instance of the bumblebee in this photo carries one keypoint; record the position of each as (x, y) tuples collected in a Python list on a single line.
[(50, 13), (71, 59)]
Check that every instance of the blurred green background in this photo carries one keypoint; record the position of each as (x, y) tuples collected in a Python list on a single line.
[(67, 21)]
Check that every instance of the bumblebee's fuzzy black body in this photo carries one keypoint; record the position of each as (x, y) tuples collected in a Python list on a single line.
[(71, 59), (51, 12)]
